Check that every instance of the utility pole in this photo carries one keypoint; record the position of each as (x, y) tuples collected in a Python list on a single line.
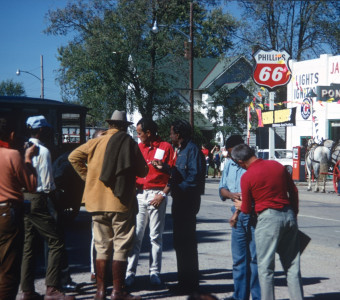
[(42, 76), (271, 129), (191, 69)]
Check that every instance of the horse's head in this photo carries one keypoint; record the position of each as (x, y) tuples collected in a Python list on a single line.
[(329, 144), (310, 143)]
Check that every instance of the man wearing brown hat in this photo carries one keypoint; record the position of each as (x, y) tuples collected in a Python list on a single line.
[(109, 165)]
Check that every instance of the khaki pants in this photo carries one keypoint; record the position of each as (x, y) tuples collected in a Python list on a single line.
[(113, 231)]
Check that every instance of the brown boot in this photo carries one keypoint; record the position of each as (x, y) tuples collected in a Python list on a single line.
[(29, 295), (52, 293), (100, 277), (119, 291)]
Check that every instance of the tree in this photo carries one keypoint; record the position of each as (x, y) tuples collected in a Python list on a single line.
[(11, 88), (232, 120), (114, 60), (304, 29)]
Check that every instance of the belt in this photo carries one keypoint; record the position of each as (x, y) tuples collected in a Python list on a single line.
[(285, 208), (140, 191), (11, 203)]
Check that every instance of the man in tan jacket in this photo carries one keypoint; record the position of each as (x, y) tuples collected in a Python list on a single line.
[(109, 165)]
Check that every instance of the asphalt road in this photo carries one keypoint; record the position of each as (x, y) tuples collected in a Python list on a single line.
[(320, 262)]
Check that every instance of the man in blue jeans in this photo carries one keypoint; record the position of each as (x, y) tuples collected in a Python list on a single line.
[(243, 248)]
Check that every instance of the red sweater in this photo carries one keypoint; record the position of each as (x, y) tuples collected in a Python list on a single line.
[(155, 179), (267, 184)]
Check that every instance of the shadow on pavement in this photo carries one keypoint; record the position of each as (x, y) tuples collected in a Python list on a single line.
[(325, 296), (143, 287), (280, 279)]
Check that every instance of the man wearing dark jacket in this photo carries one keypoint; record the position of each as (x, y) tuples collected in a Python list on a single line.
[(187, 185)]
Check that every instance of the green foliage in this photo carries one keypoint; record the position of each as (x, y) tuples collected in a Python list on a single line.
[(11, 88), (304, 29), (164, 125), (114, 60), (234, 118)]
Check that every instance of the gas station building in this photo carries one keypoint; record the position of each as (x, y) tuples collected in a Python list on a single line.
[(314, 90)]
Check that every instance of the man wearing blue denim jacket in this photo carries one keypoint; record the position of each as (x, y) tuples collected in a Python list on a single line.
[(242, 237), (187, 185)]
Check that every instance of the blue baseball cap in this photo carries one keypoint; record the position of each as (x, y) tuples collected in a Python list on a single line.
[(37, 122)]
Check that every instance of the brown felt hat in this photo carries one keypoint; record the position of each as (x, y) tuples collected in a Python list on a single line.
[(119, 117)]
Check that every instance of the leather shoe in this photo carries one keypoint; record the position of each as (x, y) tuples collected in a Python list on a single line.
[(53, 293), (30, 295), (155, 280)]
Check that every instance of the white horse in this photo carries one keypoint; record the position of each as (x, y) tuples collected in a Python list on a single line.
[(318, 159)]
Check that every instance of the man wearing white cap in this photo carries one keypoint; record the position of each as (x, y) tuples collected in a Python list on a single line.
[(38, 219), (109, 165)]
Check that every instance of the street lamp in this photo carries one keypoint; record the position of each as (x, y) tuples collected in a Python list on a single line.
[(190, 38), (41, 79)]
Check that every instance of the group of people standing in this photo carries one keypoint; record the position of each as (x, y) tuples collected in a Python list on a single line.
[(109, 165), (26, 189), (215, 158), (126, 189)]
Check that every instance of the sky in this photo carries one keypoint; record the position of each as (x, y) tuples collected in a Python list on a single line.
[(22, 42)]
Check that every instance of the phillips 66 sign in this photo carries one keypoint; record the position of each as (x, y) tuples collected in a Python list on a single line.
[(271, 68)]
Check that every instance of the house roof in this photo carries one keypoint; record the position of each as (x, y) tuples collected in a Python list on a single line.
[(178, 70), (213, 79), (207, 71), (202, 68), (236, 89)]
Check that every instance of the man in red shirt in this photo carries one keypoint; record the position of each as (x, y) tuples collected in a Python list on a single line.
[(152, 193), (16, 173), (268, 188)]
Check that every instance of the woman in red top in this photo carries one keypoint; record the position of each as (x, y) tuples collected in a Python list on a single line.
[(205, 152)]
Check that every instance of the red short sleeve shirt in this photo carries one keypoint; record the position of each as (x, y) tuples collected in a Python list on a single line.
[(155, 179)]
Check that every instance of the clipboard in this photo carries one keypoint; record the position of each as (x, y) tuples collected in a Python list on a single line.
[(304, 240)]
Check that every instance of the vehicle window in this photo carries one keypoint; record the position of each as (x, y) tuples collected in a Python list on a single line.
[(263, 155)]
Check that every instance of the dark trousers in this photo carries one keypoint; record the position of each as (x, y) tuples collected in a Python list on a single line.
[(185, 243), (38, 220), (11, 241)]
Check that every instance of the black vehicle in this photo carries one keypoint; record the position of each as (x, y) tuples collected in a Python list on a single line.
[(65, 118)]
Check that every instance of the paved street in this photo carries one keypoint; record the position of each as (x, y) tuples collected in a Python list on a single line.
[(319, 218)]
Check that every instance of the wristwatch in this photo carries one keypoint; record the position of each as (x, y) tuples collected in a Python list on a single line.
[(162, 193)]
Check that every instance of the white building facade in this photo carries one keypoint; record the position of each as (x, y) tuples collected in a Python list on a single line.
[(314, 118)]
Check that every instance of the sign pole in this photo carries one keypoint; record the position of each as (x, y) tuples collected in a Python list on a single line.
[(271, 142), (271, 70)]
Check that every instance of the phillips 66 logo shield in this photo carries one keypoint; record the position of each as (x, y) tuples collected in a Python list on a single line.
[(271, 68)]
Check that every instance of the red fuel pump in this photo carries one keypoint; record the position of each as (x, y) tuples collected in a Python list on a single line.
[(299, 173)]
